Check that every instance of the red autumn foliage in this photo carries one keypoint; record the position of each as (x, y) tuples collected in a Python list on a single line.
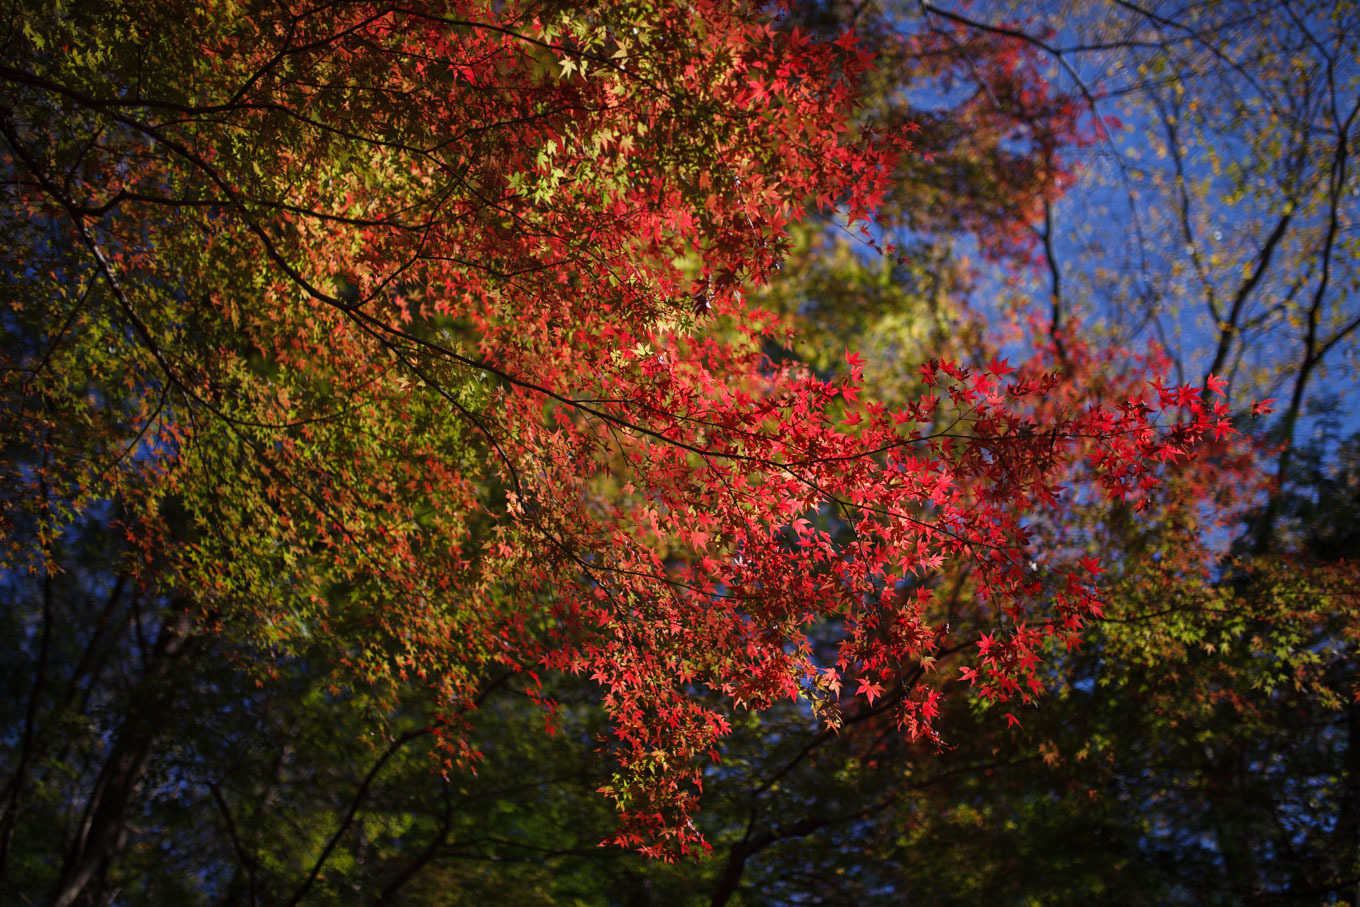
[(515, 409)]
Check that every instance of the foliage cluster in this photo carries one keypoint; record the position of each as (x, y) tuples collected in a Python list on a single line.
[(383, 383)]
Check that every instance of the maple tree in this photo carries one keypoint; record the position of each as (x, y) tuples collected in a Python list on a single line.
[(1214, 662), (414, 348), (1248, 674)]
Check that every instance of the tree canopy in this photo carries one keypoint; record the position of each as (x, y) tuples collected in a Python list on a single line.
[(463, 449)]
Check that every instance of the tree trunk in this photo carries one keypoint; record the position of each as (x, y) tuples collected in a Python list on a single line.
[(103, 828)]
